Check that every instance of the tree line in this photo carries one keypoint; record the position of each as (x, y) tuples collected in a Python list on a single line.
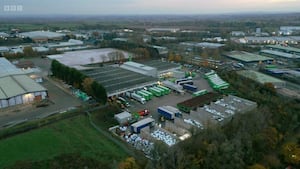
[(79, 80)]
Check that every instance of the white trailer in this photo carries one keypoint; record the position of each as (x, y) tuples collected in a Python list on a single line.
[(173, 86), (138, 98)]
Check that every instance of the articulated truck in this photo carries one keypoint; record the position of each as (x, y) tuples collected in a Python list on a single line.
[(138, 98)]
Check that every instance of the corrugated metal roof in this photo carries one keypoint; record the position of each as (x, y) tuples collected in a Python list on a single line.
[(15, 85), (41, 34), (28, 84), (6, 68)]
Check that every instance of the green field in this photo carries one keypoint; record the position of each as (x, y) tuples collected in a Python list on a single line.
[(74, 135)]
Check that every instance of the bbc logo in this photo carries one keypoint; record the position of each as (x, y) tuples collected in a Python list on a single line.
[(13, 8)]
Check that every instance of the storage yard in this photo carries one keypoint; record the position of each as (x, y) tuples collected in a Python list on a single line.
[(175, 116)]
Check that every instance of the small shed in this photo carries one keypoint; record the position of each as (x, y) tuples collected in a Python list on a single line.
[(123, 117)]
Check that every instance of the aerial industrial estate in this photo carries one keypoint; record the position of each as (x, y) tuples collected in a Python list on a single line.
[(154, 90)]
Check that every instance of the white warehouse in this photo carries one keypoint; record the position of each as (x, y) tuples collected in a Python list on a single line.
[(140, 68), (16, 87)]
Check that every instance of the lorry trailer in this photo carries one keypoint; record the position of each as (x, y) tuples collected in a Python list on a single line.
[(138, 98), (190, 88), (136, 127)]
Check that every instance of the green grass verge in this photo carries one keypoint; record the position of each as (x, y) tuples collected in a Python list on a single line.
[(73, 135)]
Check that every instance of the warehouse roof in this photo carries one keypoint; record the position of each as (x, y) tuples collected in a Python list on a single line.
[(41, 34), (116, 79), (159, 65), (138, 65), (14, 85), (289, 49), (281, 54), (259, 77), (6, 68), (246, 57), (203, 44), (84, 57)]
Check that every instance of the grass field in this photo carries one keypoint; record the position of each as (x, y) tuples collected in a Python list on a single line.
[(74, 135)]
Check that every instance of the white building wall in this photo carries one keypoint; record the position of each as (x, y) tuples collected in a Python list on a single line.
[(19, 100), (4, 103), (27, 98), (12, 101)]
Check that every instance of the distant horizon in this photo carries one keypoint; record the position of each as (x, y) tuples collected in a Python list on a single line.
[(158, 14), (144, 7)]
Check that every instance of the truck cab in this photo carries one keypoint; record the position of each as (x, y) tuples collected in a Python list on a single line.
[(144, 112)]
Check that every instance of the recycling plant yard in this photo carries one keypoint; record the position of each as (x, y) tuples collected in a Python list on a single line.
[(157, 112)]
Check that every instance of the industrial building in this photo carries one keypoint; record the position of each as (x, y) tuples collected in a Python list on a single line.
[(16, 87), (64, 46), (262, 78), (155, 30), (42, 36), (224, 108), (286, 49), (198, 101), (77, 59), (140, 68), (123, 118), (288, 30), (270, 40), (279, 55), (203, 44), (117, 80), (3, 35), (246, 57), (4, 49), (163, 68), (237, 33), (163, 51)]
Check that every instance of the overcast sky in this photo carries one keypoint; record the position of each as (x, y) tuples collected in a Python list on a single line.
[(108, 7)]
